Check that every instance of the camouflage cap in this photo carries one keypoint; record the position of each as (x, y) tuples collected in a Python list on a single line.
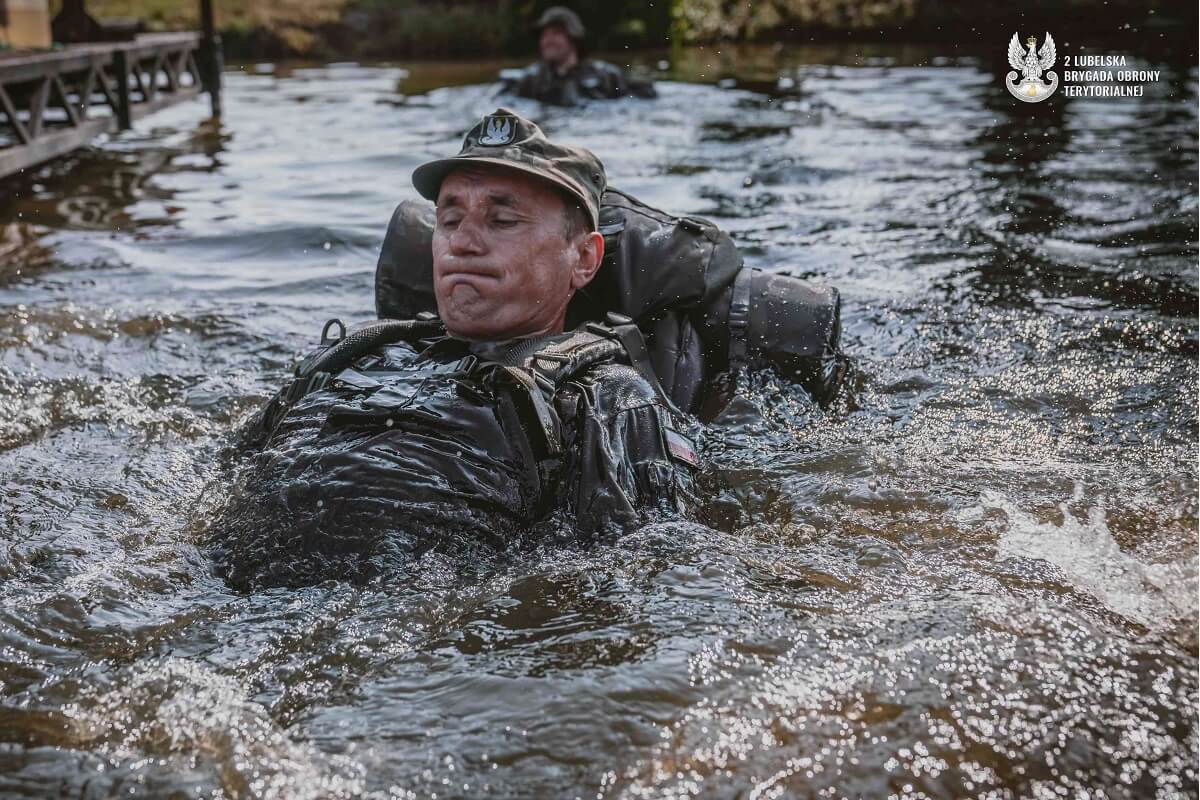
[(506, 139), (561, 15)]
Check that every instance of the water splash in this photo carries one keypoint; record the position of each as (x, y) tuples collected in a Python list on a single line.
[(1157, 596), (181, 710)]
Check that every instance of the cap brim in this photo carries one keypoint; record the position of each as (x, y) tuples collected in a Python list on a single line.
[(427, 179)]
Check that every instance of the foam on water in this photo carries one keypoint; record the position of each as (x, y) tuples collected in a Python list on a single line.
[(1158, 596)]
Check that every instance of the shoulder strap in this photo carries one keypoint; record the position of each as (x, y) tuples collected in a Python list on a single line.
[(617, 340), (546, 370), (739, 318), (540, 375), (555, 364), (624, 331), (335, 354)]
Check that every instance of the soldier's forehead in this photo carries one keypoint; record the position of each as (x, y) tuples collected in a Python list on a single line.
[(500, 186), (495, 196)]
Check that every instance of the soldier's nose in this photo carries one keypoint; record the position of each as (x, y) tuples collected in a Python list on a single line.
[(466, 239)]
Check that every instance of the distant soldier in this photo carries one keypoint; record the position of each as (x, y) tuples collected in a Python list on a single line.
[(561, 77)]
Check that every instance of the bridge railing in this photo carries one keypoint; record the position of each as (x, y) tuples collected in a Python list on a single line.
[(53, 102)]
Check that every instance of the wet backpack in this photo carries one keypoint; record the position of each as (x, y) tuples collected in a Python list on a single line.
[(681, 280)]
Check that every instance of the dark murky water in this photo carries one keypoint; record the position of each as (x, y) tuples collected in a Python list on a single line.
[(983, 583)]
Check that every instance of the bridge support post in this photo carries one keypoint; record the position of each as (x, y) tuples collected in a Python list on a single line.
[(212, 60)]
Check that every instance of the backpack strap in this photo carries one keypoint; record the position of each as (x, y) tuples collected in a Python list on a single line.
[(334, 355), (625, 332), (739, 318), (618, 340), (544, 371), (548, 423)]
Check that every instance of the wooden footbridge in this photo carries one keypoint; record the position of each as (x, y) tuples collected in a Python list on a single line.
[(55, 100)]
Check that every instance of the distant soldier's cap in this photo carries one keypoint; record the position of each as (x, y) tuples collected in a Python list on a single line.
[(561, 15), (506, 139)]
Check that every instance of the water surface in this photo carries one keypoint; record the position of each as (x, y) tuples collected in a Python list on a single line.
[(978, 579)]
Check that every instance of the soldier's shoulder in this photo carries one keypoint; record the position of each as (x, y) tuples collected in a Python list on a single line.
[(619, 387), (605, 67)]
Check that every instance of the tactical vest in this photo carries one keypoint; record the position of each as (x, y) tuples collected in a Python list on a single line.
[(537, 372), (589, 80), (681, 280)]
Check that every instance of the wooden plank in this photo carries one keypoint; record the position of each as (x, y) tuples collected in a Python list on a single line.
[(51, 145), (174, 66), (155, 68), (124, 101), (11, 111), (194, 68), (135, 71), (208, 20), (139, 110), (37, 107), (85, 94), (29, 66), (65, 99), (147, 44), (107, 87), (23, 68), (85, 66)]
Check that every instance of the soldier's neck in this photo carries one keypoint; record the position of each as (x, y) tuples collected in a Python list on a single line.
[(566, 65)]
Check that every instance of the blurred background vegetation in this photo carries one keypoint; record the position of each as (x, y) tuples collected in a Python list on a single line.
[(398, 29)]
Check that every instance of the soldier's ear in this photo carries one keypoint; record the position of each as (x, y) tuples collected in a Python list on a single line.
[(590, 249)]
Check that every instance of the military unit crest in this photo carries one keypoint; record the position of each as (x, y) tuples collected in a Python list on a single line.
[(1030, 66), (497, 131)]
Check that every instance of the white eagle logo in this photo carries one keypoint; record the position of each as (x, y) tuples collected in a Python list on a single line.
[(1031, 88), (497, 131)]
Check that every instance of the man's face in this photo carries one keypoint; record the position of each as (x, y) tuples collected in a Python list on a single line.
[(503, 263), (555, 45)]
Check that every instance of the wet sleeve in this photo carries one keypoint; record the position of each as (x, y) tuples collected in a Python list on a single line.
[(621, 84), (614, 80), (621, 467), (522, 83), (641, 88)]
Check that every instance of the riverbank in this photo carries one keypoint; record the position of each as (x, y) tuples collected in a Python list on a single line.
[(397, 29)]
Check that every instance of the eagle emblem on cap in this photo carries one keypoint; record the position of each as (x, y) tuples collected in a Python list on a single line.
[(497, 131)]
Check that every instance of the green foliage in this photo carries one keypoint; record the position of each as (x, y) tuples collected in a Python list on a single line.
[(502, 27), (398, 28), (743, 20), (706, 20), (614, 24), (404, 28)]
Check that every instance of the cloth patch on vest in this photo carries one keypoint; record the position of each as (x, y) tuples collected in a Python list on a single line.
[(681, 448), (498, 131)]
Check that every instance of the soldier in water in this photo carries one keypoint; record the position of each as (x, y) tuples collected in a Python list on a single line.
[(483, 423), (561, 77)]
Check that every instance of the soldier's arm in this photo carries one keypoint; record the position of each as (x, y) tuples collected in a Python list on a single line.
[(620, 84), (641, 88), (520, 82)]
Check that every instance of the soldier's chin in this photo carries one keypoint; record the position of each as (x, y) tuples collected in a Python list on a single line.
[(467, 315)]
